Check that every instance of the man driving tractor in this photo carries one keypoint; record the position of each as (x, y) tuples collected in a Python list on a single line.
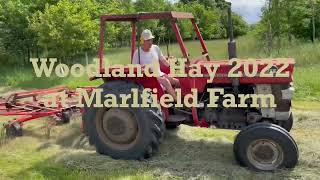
[(149, 52)]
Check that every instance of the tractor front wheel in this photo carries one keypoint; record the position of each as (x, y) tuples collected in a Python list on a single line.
[(287, 124), (265, 147)]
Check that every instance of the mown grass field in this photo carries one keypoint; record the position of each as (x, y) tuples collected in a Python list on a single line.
[(186, 153)]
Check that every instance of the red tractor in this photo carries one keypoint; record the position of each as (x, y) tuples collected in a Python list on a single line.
[(136, 133)]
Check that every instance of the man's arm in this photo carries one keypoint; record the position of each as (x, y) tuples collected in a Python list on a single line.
[(164, 61), (161, 57)]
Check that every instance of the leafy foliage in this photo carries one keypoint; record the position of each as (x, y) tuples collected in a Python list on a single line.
[(16, 36), (288, 19), (66, 28)]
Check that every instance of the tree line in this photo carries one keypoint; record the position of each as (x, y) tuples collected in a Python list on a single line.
[(67, 28), (287, 20)]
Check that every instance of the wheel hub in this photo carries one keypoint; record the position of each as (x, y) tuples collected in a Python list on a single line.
[(265, 154), (119, 128)]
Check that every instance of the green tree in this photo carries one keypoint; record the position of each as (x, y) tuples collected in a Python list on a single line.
[(285, 19), (67, 28), (211, 20), (240, 26), (150, 6), (16, 36)]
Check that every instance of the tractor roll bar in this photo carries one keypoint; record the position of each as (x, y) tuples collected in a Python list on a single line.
[(146, 16), (134, 18)]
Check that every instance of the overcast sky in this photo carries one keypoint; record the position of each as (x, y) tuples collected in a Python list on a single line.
[(249, 9)]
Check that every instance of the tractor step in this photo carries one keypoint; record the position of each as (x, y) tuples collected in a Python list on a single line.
[(176, 118)]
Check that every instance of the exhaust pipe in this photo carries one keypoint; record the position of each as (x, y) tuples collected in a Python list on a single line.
[(232, 45), (232, 51)]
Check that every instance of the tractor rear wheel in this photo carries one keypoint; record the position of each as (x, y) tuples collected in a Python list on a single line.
[(124, 133), (265, 147)]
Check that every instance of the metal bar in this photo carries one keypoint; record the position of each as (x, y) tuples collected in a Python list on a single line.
[(194, 109), (25, 118), (146, 16), (21, 95), (232, 46), (30, 108), (230, 23), (182, 15), (102, 29), (21, 107), (179, 39), (203, 45), (30, 113), (38, 107), (133, 38)]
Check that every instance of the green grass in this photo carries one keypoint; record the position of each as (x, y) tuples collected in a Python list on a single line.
[(306, 105), (188, 152)]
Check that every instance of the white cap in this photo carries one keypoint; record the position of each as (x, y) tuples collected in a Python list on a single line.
[(146, 34)]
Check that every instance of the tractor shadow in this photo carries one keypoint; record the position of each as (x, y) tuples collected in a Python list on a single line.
[(177, 156), (180, 155)]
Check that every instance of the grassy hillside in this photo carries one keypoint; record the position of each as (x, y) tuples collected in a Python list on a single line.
[(306, 78)]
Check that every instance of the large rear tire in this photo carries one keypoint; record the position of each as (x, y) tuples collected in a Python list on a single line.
[(265, 147), (124, 133)]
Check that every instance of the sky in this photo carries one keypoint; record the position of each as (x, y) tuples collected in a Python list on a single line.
[(249, 9)]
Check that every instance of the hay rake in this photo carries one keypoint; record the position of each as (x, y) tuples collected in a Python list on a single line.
[(33, 105)]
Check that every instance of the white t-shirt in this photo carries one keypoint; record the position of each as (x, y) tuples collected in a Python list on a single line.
[(154, 54)]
